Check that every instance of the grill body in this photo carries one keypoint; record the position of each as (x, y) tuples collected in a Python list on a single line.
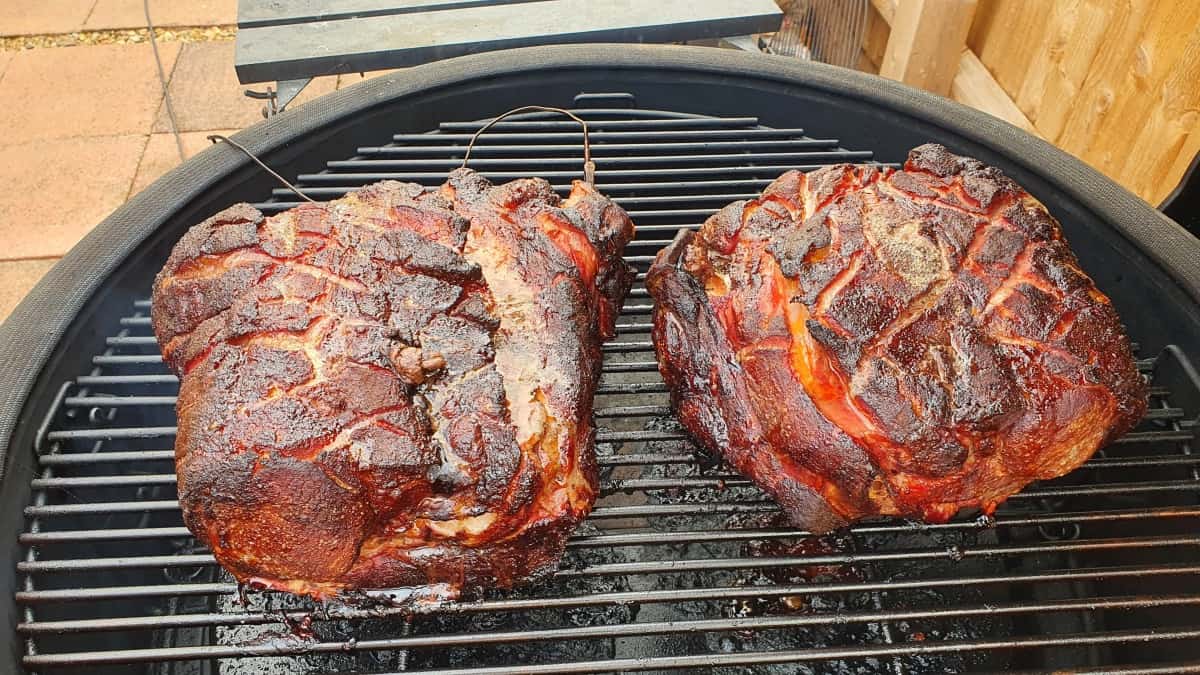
[(683, 565)]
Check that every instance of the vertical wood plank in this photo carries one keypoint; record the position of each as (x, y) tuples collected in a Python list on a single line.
[(1052, 90), (1164, 126), (927, 40), (1113, 101), (1049, 49), (875, 38), (1114, 82), (1005, 36)]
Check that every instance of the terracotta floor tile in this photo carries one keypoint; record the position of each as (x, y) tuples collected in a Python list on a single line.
[(17, 278), (55, 191), (109, 14), (161, 154), (35, 17), (82, 91), (207, 95)]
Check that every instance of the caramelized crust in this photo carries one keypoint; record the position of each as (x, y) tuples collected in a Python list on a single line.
[(394, 388), (862, 341)]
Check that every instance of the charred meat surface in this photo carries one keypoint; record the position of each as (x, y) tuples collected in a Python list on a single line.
[(394, 388), (862, 341)]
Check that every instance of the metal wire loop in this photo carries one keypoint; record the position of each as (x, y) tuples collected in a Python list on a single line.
[(217, 137), (589, 167)]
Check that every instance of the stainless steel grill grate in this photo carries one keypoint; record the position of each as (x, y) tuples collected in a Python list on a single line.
[(683, 564)]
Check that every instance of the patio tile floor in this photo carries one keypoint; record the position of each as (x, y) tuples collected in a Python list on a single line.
[(110, 14), (86, 128), (98, 90), (35, 17), (57, 190)]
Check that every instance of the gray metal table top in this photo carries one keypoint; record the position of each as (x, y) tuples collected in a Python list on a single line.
[(300, 39)]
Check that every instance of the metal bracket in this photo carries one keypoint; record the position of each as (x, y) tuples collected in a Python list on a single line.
[(278, 99)]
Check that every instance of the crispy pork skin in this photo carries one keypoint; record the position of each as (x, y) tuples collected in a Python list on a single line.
[(394, 388), (861, 341)]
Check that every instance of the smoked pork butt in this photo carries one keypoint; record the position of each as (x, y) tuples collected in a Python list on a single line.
[(863, 341), (393, 388)]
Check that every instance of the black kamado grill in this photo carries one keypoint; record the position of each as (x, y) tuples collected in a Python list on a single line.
[(682, 565)]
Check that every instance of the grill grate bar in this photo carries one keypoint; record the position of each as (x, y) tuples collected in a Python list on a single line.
[(650, 227), (129, 432), (632, 388), (634, 411), (74, 459), (130, 340), (162, 378), (499, 128), (603, 138), (637, 459), (732, 480), (123, 656), (1128, 439), (625, 346), (54, 510), (73, 482), (610, 436), (653, 510), (610, 388), (768, 171), (954, 554), (707, 161), (1015, 520), (601, 150), (165, 400), (136, 321), (132, 562), (630, 459), (688, 536), (124, 592), (673, 566), (118, 401), (602, 599), (145, 321), (1094, 463), (127, 359), (1166, 413), (76, 536), (1098, 489), (635, 326), (97, 380), (628, 346), (227, 589)]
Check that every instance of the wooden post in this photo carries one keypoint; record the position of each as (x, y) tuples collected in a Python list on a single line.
[(927, 41)]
